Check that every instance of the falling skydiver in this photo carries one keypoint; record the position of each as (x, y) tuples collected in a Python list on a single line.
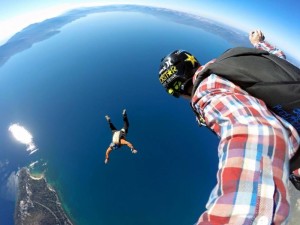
[(118, 136)]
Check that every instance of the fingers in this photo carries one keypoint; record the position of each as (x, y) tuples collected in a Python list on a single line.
[(256, 33), (256, 36), (259, 33)]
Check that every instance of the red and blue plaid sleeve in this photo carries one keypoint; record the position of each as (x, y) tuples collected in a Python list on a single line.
[(253, 156), (263, 45)]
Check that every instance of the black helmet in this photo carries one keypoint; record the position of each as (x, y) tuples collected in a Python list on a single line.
[(176, 72)]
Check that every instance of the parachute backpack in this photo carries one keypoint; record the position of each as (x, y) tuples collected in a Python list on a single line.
[(264, 76)]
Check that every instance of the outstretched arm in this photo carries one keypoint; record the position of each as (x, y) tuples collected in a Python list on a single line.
[(108, 151), (124, 142), (257, 39)]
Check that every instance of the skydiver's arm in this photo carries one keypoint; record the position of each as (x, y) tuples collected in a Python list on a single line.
[(257, 39), (108, 151), (124, 142)]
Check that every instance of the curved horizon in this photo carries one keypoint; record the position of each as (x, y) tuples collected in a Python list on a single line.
[(48, 28), (40, 31), (279, 22)]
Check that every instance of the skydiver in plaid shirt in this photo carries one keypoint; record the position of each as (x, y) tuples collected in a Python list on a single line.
[(255, 145)]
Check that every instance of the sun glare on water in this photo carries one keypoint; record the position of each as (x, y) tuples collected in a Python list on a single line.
[(23, 136)]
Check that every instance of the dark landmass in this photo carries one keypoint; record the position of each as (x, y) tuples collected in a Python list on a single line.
[(37, 203), (38, 32)]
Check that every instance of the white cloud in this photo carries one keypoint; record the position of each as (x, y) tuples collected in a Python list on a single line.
[(4, 163), (23, 136), (9, 190)]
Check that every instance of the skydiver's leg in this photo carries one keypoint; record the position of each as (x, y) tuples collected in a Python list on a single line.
[(111, 126), (125, 119)]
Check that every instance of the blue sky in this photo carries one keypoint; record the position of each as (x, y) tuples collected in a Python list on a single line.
[(278, 19)]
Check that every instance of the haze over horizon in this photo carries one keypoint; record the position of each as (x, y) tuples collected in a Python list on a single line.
[(279, 22)]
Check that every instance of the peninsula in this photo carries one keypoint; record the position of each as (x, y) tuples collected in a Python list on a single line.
[(37, 203)]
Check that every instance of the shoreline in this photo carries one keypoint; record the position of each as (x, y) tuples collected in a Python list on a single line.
[(37, 176), (38, 202), (54, 186), (41, 174)]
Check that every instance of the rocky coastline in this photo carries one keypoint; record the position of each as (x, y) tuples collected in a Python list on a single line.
[(37, 203)]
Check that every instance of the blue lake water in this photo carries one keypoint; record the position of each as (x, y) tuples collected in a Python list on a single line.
[(61, 89)]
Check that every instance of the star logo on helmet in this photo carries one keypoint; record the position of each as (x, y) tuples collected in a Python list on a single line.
[(191, 59)]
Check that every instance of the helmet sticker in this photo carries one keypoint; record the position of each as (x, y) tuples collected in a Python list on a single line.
[(178, 52), (177, 85), (191, 59), (167, 64), (166, 75)]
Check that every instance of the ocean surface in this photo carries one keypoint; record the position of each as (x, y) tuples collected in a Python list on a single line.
[(60, 90)]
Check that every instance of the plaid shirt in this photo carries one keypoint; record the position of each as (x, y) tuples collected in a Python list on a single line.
[(254, 151), (270, 48)]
